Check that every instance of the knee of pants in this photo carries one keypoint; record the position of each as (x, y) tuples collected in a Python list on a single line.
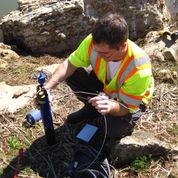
[(119, 127)]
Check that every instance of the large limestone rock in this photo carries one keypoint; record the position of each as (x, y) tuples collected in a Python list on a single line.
[(7, 53), (172, 6), (138, 144), (161, 47), (14, 98), (55, 26)]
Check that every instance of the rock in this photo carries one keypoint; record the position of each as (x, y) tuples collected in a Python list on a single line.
[(138, 144), (7, 53), (14, 98), (56, 26), (160, 48), (165, 74), (4, 46), (171, 54), (3, 63), (174, 74), (172, 6)]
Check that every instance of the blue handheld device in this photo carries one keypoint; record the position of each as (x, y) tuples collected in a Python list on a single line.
[(87, 132)]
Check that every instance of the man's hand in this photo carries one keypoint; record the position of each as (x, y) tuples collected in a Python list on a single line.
[(103, 104)]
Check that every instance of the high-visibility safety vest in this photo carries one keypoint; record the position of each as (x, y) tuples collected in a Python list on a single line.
[(132, 84)]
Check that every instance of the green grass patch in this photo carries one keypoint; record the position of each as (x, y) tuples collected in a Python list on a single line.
[(141, 163), (27, 170), (14, 143)]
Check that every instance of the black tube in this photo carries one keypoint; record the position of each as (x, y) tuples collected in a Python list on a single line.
[(43, 101)]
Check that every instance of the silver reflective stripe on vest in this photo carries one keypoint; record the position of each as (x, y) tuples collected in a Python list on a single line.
[(129, 100), (132, 65), (113, 95), (93, 57)]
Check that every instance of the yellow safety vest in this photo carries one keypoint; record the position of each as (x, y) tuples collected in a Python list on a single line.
[(134, 60), (133, 83)]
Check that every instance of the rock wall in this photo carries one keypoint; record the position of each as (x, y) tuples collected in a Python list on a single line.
[(172, 6), (55, 26)]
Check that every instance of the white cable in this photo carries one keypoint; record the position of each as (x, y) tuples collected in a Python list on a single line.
[(83, 92), (95, 94)]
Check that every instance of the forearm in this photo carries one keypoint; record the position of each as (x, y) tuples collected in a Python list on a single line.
[(63, 71)]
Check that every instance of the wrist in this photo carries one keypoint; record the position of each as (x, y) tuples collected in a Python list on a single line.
[(46, 88), (115, 108)]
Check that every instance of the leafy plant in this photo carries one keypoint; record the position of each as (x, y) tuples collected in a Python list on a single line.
[(14, 143), (140, 163), (28, 170)]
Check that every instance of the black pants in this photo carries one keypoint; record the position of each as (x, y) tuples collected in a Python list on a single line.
[(117, 127)]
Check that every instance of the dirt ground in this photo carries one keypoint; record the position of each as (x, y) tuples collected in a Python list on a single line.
[(42, 161)]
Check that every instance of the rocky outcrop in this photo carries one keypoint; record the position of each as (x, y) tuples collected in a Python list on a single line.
[(6, 54), (140, 144), (14, 98), (172, 6), (161, 47), (56, 26)]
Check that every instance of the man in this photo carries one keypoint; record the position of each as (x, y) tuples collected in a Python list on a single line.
[(110, 74)]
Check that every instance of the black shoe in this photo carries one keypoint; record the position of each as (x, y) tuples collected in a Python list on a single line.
[(86, 112)]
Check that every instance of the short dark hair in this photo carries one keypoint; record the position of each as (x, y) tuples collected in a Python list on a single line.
[(111, 29)]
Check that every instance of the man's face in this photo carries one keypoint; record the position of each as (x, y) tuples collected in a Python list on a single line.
[(106, 52)]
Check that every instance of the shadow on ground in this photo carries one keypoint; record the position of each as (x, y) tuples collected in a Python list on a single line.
[(46, 161)]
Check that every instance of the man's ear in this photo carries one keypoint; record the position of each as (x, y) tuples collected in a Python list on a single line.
[(123, 45)]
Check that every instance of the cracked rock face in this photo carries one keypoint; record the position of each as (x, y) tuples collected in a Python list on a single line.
[(56, 26)]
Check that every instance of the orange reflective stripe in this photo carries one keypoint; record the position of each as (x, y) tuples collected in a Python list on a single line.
[(110, 91), (131, 96), (147, 93), (124, 67), (97, 64), (132, 106), (90, 49)]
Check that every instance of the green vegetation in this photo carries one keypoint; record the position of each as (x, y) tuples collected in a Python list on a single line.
[(141, 163), (14, 143)]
